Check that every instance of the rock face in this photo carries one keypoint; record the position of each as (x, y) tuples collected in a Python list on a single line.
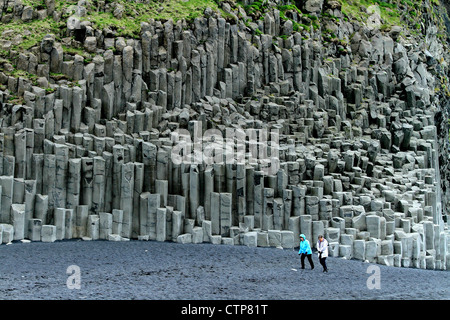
[(312, 6), (207, 132)]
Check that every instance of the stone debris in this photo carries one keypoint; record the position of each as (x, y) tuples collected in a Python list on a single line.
[(357, 146)]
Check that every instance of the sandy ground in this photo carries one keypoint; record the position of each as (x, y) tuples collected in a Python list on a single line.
[(171, 271)]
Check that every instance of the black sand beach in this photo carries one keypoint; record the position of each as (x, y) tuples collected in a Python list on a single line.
[(170, 271)]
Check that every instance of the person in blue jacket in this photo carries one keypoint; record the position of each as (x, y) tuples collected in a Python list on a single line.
[(305, 251)]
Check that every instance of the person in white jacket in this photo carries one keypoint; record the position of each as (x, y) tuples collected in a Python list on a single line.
[(322, 251)]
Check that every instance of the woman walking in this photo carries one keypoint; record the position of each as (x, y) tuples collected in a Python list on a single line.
[(305, 251), (322, 251)]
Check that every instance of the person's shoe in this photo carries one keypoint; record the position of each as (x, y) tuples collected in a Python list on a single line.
[(325, 271), (312, 268)]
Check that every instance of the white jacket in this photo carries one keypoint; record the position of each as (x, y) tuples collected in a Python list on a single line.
[(322, 246)]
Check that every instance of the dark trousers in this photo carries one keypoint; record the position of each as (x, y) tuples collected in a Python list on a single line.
[(302, 259), (323, 263)]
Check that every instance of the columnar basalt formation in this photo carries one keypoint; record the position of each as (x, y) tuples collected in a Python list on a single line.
[(332, 140)]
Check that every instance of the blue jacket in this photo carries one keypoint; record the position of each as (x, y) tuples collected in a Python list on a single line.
[(304, 246)]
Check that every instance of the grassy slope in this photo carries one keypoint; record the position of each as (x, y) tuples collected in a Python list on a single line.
[(127, 26), (393, 12), (135, 13)]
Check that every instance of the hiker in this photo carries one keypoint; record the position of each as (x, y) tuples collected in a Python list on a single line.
[(305, 251), (322, 251)]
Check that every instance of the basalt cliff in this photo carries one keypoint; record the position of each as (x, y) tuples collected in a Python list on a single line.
[(230, 122)]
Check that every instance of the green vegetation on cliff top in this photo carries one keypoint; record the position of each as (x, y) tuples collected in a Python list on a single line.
[(126, 23), (129, 24), (125, 17)]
